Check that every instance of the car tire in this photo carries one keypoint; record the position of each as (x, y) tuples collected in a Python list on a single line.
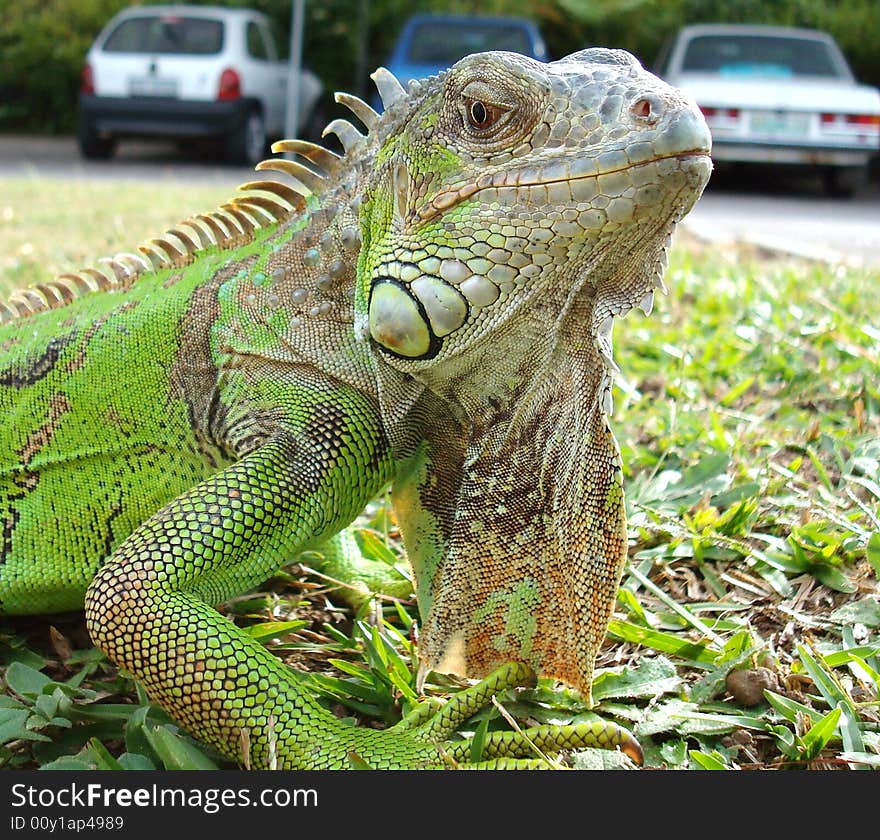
[(247, 143), (91, 146), (843, 182)]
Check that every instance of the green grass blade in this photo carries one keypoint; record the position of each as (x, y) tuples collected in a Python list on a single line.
[(374, 547), (873, 551), (662, 641), (791, 709), (706, 761), (479, 741), (176, 753), (850, 733), (822, 679), (677, 608), (819, 734), (273, 629)]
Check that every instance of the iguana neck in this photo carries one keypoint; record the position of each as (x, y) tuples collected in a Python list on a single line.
[(558, 323), (292, 301)]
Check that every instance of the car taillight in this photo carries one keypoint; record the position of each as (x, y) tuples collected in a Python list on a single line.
[(230, 84), (722, 113), (851, 119), (87, 79)]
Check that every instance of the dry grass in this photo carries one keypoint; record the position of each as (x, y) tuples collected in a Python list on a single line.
[(50, 226)]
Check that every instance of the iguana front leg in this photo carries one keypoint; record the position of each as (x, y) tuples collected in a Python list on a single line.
[(150, 608), (514, 520)]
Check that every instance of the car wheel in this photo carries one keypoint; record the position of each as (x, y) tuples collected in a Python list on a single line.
[(91, 146), (843, 182), (247, 144)]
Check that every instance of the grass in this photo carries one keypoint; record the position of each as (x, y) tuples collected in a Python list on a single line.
[(747, 629), (51, 226)]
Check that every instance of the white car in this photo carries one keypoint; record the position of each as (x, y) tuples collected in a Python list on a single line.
[(777, 95), (189, 72)]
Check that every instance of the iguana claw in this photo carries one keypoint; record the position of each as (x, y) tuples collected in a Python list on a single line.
[(507, 749)]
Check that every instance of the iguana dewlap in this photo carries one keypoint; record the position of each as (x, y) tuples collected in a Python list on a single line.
[(432, 310)]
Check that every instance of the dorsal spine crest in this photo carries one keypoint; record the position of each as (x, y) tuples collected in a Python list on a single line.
[(264, 203)]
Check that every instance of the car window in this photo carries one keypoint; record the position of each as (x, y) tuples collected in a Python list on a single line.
[(748, 55), (256, 46), (168, 34), (446, 43), (281, 39)]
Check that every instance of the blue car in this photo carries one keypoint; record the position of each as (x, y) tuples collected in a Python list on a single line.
[(431, 43)]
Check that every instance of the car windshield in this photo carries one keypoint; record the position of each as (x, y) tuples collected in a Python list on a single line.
[(759, 55), (166, 34), (445, 43)]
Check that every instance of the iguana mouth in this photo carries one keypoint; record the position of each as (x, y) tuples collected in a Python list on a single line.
[(513, 179)]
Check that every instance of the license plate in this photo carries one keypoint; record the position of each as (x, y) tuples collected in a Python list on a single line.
[(152, 86), (780, 123)]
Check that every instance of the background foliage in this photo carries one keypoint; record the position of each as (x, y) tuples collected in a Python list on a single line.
[(43, 42)]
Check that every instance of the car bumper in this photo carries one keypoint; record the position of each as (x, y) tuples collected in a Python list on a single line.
[(160, 117), (738, 152)]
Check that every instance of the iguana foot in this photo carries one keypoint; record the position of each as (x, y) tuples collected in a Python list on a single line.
[(356, 579), (508, 750)]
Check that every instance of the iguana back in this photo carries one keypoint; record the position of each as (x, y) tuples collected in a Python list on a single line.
[(88, 421), (122, 388)]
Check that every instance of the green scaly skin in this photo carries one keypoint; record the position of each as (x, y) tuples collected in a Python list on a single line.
[(431, 310)]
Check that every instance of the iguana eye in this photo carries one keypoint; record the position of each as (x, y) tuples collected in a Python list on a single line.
[(487, 116), (481, 115)]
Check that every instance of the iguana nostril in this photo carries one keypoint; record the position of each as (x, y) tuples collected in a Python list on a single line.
[(647, 108)]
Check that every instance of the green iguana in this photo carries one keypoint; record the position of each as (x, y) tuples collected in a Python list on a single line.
[(431, 309)]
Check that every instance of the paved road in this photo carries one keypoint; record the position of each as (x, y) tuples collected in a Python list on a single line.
[(57, 157), (791, 215), (784, 214)]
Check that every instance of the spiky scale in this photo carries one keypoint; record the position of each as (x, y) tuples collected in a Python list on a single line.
[(359, 108), (121, 273), (186, 240), (246, 223), (276, 212), (221, 233), (292, 196), (319, 155), (171, 253), (62, 291), (390, 90), (309, 178), (348, 135)]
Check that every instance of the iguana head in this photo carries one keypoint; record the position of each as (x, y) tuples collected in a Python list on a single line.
[(504, 187)]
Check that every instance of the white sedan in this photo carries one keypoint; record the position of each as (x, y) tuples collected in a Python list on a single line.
[(776, 95)]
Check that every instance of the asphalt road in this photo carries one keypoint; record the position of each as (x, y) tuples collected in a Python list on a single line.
[(789, 214), (773, 211)]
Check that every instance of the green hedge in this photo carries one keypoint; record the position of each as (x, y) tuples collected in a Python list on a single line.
[(43, 44)]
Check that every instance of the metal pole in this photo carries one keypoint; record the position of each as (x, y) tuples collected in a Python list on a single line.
[(360, 70), (294, 69)]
